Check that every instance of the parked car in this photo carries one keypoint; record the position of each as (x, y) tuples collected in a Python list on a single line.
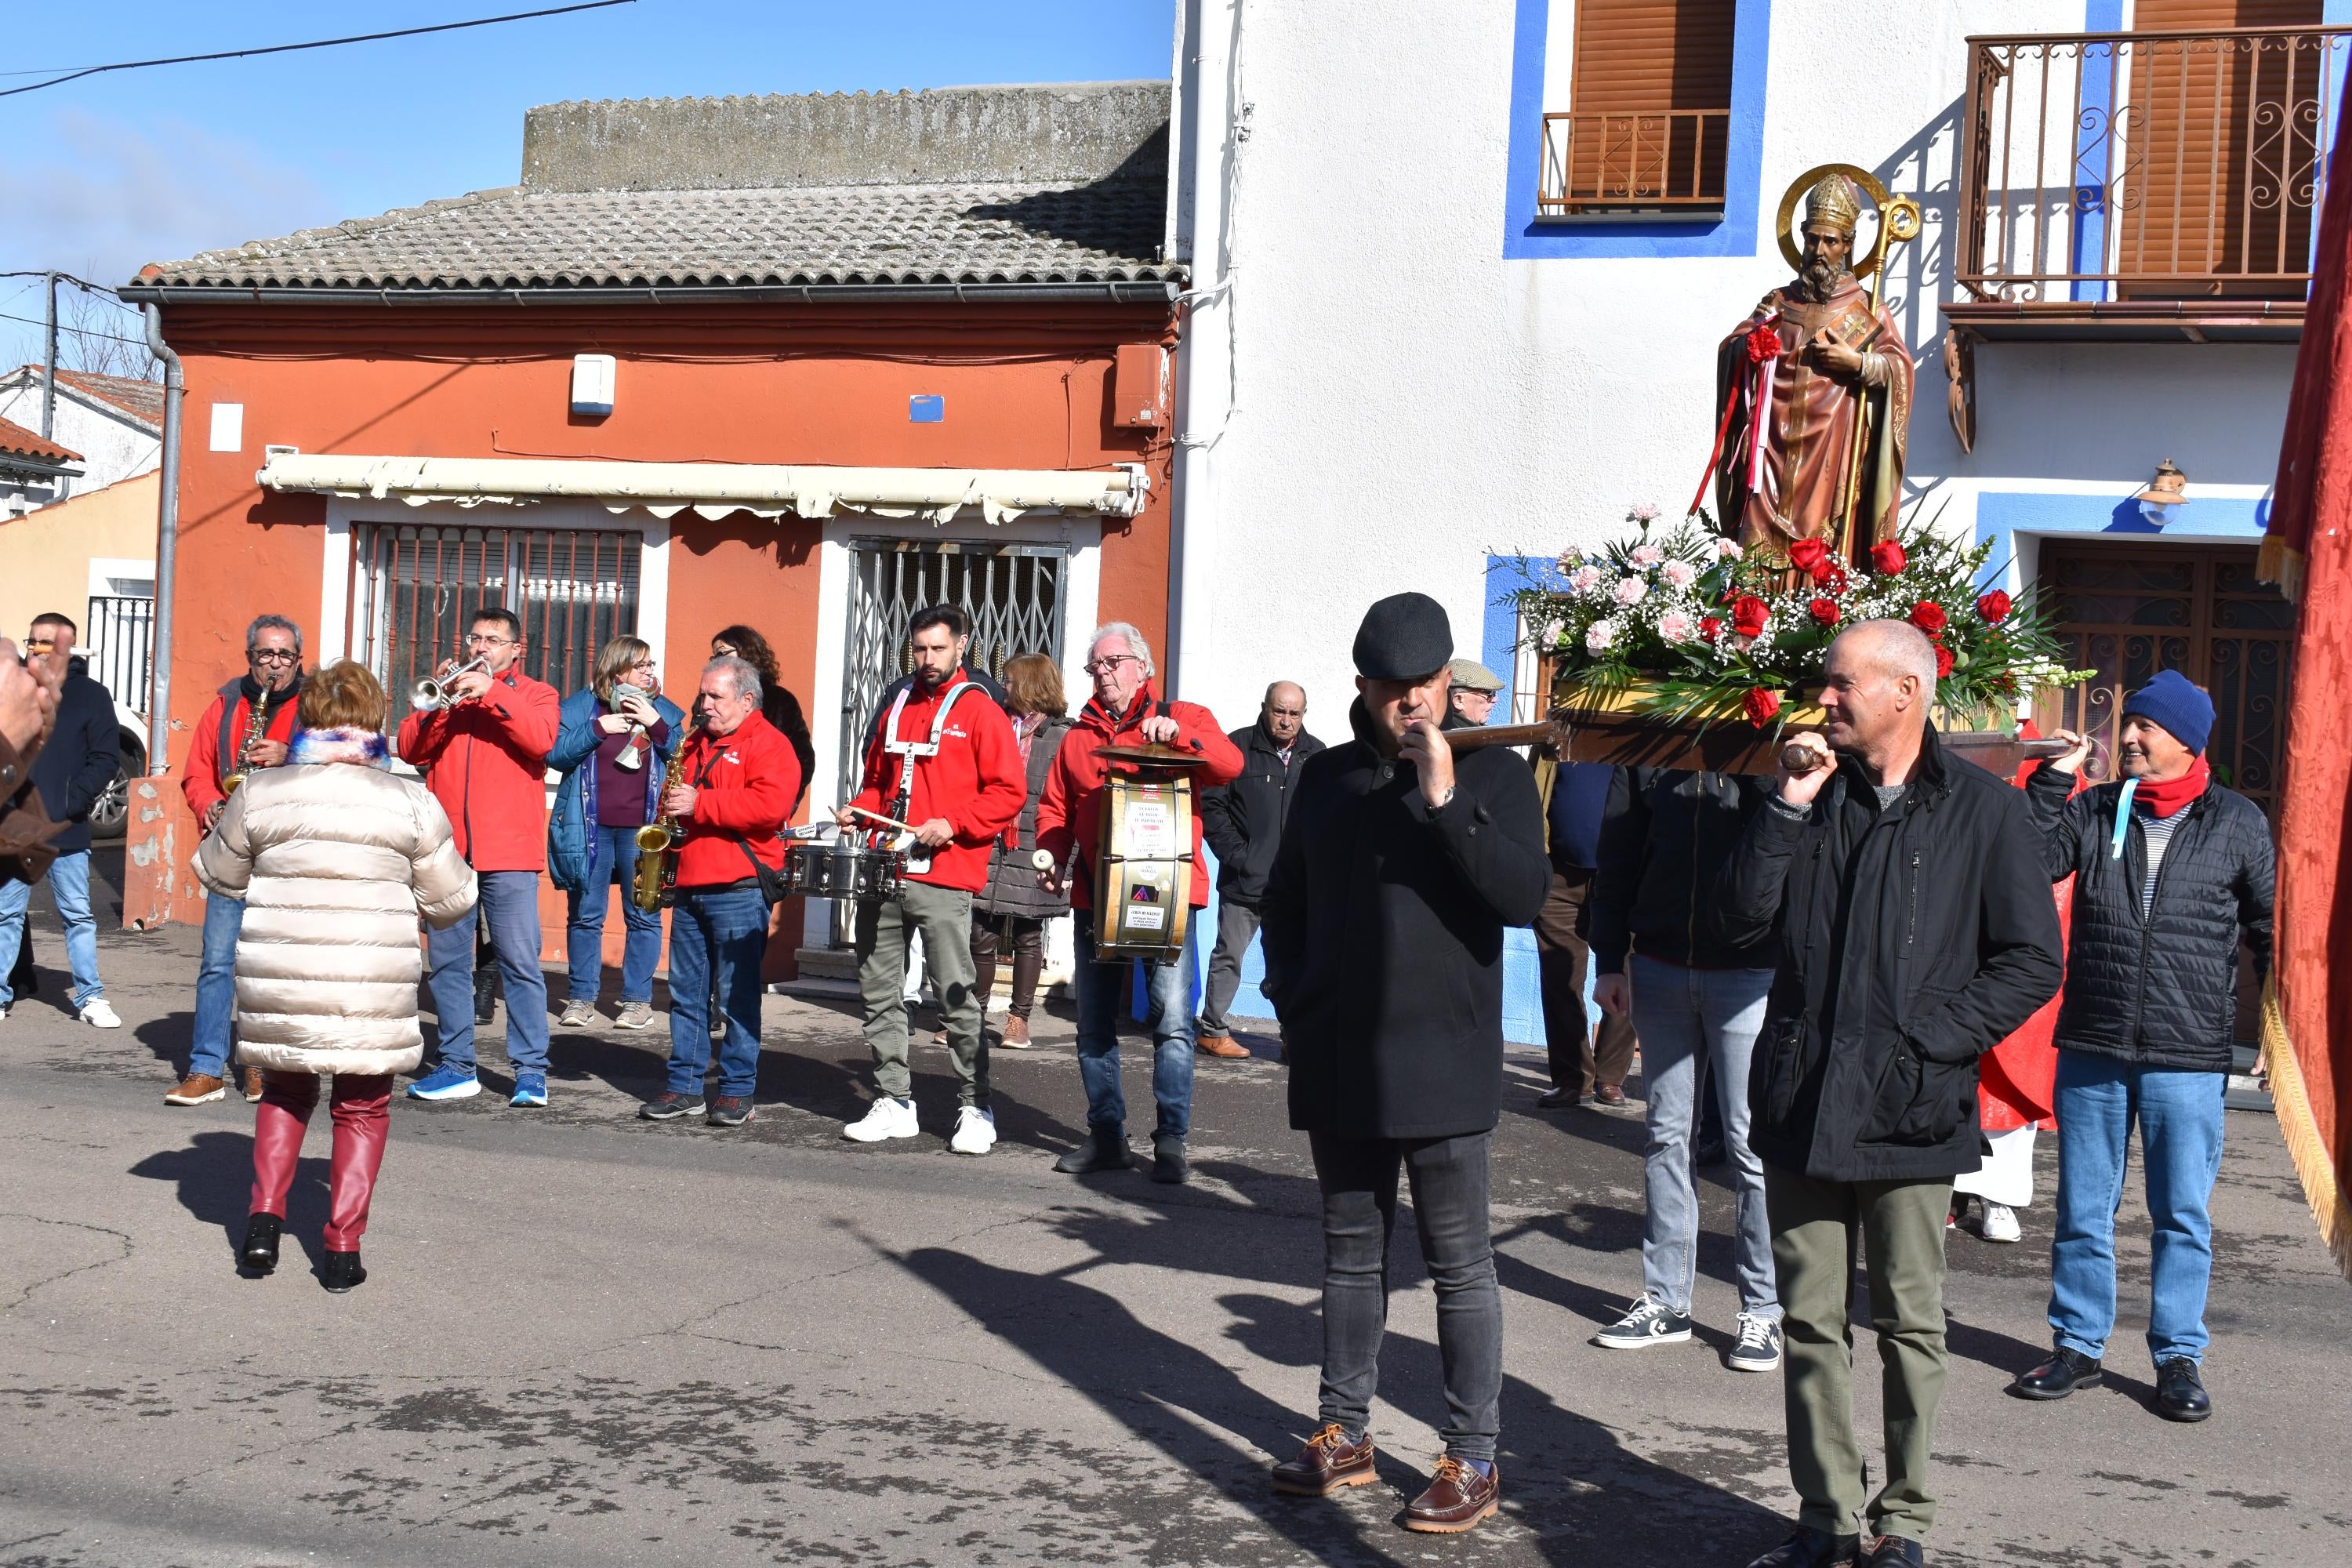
[(110, 819)]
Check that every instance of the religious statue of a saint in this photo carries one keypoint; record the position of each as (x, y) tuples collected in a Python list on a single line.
[(1817, 367)]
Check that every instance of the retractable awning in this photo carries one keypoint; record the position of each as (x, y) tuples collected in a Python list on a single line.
[(714, 490)]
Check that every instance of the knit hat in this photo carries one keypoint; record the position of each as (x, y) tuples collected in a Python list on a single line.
[(1404, 637), (2174, 702)]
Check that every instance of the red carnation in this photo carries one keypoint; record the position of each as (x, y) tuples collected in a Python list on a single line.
[(1887, 558), (1710, 626), (1808, 556), (1763, 344), (1748, 615), (1943, 661), (1824, 611), (1761, 703), (1929, 618), (1994, 606)]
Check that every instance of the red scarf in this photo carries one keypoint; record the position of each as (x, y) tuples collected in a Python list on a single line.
[(2163, 797)]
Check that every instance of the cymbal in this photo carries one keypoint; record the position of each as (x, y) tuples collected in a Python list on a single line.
[(1154, 755)]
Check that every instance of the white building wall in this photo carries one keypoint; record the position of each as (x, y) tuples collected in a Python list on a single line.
[(113, 446)]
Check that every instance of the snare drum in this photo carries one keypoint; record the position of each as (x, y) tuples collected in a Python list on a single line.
[(843, 867)]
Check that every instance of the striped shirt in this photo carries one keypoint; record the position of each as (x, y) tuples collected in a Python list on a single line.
[(2155, 832)]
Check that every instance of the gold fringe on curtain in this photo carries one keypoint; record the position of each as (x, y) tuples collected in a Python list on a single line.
[(2322, 1185), (2281, 563)]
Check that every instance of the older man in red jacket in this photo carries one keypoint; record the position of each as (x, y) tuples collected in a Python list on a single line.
[(484, 756), (1126, 709), (733, 788), (944, 760)]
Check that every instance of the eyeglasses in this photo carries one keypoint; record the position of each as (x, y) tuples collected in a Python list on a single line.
[(271, 655), (484, 639), (721, 650), (1110, 662), (643, 664)]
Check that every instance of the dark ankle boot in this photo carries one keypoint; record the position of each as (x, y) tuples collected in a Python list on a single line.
[(1168, 1162), (1106, 1150), (341, 1271), (259, 1252)]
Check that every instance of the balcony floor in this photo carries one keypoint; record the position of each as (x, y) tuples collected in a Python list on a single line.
[(2205, 320)]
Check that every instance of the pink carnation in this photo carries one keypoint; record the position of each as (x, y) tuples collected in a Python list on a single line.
[(1584, 578), (1630, 590), (1647, 555), (1675, 627), (1729, 549), (1681, 574)]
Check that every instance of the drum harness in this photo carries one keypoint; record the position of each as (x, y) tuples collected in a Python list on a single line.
[(909, 752)]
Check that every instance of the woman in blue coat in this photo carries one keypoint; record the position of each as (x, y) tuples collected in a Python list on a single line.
[(618, 735)]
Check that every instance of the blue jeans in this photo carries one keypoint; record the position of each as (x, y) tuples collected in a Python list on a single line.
[(615, 852), (726, 930), (1102, 987), (216, 986), (509, 901), (2179, 1115), (1679, 1013), (70, 886)]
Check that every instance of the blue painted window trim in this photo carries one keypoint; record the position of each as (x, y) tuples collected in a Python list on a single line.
[(2002, 515), (1733, 233)]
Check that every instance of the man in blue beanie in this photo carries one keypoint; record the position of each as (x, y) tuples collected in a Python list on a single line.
[(2172, 873)]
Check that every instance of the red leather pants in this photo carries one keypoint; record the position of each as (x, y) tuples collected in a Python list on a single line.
[(362, 1109)]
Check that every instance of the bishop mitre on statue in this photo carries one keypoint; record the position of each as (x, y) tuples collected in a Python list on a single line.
[(1796, 379)]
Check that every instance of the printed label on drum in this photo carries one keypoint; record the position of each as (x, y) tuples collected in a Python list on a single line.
[(1145, 917), (1150, 827)]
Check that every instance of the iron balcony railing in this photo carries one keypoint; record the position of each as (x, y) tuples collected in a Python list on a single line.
[(2157, 166), (1599, 162)]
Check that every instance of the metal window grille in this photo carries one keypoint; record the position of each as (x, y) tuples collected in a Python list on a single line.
[(119, 641), (1013, 594), (415, 590)]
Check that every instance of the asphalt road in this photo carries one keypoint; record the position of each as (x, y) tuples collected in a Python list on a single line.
[(589, 1340)]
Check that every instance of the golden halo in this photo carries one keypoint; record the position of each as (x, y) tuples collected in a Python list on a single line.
[(1898, 215)]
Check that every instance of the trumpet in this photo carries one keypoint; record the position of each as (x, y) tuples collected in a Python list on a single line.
[(433, 690)]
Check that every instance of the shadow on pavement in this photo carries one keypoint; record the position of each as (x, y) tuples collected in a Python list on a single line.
[(214, 1173)]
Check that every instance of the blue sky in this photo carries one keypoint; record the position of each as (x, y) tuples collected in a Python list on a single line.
[(115, 171)]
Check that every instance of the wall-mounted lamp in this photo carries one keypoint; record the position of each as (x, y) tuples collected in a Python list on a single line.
[(2167, 491)]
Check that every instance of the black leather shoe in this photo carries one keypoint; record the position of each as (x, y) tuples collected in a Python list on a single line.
[(1895, 1551), (1106, 1150), (2180, 1393), (259, 1252), (1168, 1162), (341, 1271), (2062, 1375), (1809, 1548)]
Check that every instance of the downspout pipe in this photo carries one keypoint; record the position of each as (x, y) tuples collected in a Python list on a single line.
[(167, 548)]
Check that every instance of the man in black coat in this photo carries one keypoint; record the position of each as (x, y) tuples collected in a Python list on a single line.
[(1400, 869), (2172, 875), (1242, 823), (1916, 932), (72, 771)]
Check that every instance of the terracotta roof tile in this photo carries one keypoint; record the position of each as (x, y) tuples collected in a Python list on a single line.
[(16, 441)]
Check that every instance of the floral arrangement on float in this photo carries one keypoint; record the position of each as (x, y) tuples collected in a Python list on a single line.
[(1680, 625)]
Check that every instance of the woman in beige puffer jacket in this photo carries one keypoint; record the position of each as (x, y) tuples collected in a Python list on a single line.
[(335, 860)]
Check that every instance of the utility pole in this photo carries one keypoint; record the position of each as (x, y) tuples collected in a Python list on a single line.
[(49, 360)]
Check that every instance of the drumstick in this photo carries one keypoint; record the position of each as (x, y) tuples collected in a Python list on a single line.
[(877, 817)]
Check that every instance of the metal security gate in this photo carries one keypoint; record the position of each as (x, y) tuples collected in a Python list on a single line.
[(1013, 594), (120, 640)]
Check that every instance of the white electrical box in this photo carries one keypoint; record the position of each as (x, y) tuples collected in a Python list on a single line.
[(592, 384)]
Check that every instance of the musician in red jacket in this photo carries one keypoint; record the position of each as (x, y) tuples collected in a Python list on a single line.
[(731, 791), (1126, 711), (484, 756), (944, 761), (224, 743)]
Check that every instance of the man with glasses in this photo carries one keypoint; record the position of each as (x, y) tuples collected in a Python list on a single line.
[(484, 756), (1242, 823), (1125, 711), (228, 740), (70, 774)]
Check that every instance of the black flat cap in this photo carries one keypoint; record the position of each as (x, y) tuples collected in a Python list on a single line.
[(1404, 637)]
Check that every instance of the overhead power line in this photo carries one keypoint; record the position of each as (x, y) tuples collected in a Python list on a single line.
[(318, 44)]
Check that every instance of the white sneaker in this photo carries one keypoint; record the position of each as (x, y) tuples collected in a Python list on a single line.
[(1999, 1222), (885, 1117), (98, 1014), (975, 1131)]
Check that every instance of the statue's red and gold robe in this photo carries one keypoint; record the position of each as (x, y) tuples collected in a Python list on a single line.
[(1809, 431)]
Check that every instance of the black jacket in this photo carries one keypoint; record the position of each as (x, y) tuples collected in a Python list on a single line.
[(1012, 887), (2159, 989), (1243, 820), (1913, 940), (1384, 939), (1665, 836), (82, 758)]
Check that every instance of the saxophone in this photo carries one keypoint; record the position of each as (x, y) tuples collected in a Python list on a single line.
[(256, 728), (658, 842)]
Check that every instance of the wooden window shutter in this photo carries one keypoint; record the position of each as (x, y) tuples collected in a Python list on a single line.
[(1648, 102), (2217, 147)]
